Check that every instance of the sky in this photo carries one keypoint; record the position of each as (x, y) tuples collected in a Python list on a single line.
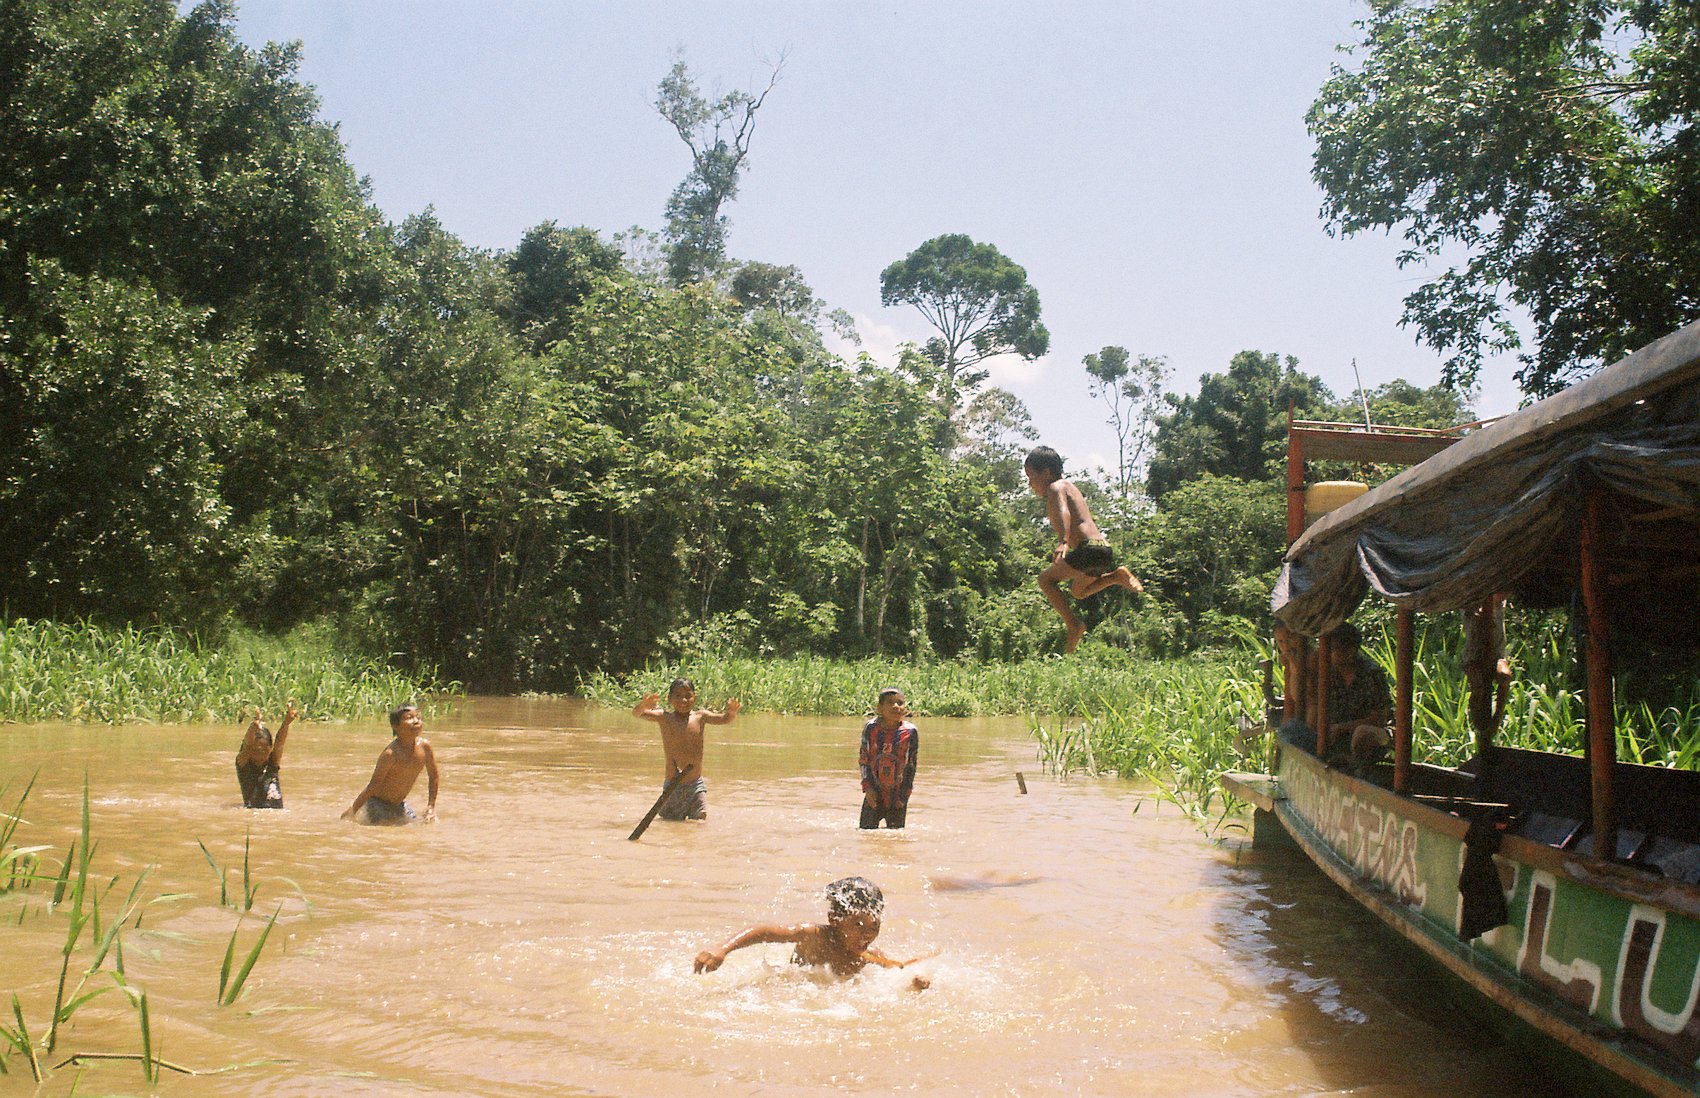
[(1147, 163)]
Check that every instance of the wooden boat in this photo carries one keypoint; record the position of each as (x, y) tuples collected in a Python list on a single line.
[(1589, 500)]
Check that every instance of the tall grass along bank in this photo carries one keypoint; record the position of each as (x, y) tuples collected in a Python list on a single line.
[(52, 671)]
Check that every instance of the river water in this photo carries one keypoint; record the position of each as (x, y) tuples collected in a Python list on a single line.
[(1090, 942)]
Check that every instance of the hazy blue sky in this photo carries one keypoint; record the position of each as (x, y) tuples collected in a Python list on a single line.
[(1146, 162)]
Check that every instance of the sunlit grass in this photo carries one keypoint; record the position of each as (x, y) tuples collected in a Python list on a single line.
[(52, 671)]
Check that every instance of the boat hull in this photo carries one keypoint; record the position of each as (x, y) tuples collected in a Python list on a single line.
[(1604, 961)]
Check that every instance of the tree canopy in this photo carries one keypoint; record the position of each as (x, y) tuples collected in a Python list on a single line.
[(718, 133), (978, 299), (1543, 153)]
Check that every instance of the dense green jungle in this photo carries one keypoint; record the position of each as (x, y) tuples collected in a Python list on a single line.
[(238, 398), (245, 419)]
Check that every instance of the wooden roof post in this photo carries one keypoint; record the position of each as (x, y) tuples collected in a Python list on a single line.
[(1324, 668), (1602, 708), (1404, 645)]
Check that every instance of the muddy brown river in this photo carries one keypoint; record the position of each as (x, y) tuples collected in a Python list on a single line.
[(1089, 942)]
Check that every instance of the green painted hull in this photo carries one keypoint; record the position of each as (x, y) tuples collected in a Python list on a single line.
[(1603, 960)]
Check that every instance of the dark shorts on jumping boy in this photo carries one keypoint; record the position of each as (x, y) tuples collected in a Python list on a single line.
[(1092, 556), (260, 785)]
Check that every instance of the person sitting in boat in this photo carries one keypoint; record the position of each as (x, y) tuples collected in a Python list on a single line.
[(1360, 706), (259, 757)]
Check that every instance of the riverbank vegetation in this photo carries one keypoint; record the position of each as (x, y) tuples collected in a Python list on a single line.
[(79, 671), (237, 392)]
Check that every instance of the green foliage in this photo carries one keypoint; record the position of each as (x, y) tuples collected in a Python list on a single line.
[(977, 298), (1213, 551), (1551, 144), (1132, 391), (120, 411), (718, 135), (1237, 424), (83, 672)]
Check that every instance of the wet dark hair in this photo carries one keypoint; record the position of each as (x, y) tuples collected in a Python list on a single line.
[(400, 711), (1043, 459), (677, 683), (888, 692), (1345, 635), (854, 896)]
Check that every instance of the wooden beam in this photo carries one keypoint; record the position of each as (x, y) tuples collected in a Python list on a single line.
[(1602, 709), (1404, 646)]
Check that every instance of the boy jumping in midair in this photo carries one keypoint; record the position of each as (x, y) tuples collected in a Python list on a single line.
[(1082, 557)]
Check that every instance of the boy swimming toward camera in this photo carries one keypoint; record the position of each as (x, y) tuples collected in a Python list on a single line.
[(844, 943)]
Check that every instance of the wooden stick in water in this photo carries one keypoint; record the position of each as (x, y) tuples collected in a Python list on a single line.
[(666, 791), (1021, 780)]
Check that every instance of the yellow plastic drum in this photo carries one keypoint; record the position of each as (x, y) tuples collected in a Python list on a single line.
[(1325, 496)]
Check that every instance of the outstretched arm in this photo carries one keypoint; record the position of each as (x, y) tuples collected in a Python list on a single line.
[(709, 716), (710, 959), (289, 715), (649, 708), (875, 957)]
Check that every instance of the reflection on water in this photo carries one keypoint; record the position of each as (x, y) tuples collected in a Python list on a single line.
[(522, 946)]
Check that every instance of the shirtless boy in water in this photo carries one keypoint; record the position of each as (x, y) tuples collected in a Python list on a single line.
[(384, 799), (260, 757), (1083, 556), (681, 742), (844, 943)]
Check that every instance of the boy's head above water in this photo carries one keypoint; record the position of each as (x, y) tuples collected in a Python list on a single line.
[(681, 695), (853, 909), (401, 713)]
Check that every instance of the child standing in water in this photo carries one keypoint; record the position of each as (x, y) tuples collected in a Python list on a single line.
[(681, 743), (890, 748), (384, 799), (1083, 556), (258, 760), (844, 943)]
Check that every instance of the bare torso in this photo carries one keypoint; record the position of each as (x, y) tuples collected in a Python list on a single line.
[(1071, 519), (681, 741), (399, 766)]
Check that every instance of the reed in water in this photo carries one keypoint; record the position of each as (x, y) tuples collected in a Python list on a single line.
[(51, 671)]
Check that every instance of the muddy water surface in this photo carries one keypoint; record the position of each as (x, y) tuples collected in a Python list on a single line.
[(1088, 943)]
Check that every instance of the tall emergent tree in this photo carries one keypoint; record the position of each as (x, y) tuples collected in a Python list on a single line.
[(978, 299), (1551, 142), (718, 134), (1132, 389), (1237, 424)]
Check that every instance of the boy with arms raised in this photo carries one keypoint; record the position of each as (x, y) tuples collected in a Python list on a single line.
[(1083, 556), (384, 800), (260, 757), (681, 743)]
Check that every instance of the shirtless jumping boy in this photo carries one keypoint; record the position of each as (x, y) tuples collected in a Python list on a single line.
[(384, 799), (681, 741), (1083, 556)]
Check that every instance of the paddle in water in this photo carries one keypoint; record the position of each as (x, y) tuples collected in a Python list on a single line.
[(666, 791)]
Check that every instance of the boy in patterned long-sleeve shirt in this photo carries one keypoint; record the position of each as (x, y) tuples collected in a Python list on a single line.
[(890, 746)]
